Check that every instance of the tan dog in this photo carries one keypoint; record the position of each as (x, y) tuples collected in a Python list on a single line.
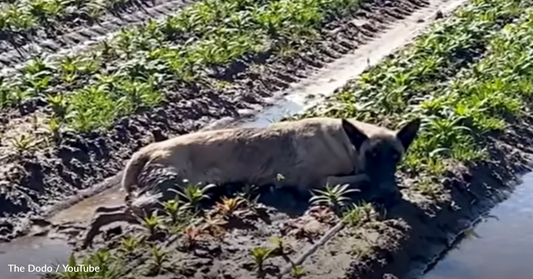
[(308, 153)]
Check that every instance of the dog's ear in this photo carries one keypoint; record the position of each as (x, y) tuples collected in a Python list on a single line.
[(356, 136), (407, 133)]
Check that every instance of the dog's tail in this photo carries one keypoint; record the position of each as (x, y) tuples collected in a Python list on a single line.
[(134, 167)]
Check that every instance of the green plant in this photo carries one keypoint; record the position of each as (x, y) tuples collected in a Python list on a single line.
[(260, 255), (333, 197), (54, 129), (248, 194), (173, 209), (229, 205), (152, 222), (428, 188), (24, 142), (461, 78), (298, 271), (360, 251), (129, 244), (110, 267), (194, 194), (159, 257), (58, 104), (214, 225), (356, 215)]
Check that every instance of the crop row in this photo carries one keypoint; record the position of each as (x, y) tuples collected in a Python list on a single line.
[(25, 18), (218, 33), (460, 107), (216, 24)]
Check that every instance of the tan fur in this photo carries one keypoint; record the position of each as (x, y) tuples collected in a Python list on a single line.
[(308, 153), (305, 152)]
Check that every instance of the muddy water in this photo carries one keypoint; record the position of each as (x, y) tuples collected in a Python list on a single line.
[(307, 93), (27, 251), (498, 247)]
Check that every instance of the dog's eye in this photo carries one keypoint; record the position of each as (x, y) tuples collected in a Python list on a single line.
[(395, 156), (372, 154)]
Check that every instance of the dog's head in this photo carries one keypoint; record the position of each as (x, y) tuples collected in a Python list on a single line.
[(379, 151)]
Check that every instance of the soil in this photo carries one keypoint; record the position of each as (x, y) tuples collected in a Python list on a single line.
[(400, 233), (405, 231)]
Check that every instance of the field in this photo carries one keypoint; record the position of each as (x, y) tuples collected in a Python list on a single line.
[(73, 109)]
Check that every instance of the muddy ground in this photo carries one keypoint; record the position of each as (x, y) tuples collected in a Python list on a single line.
[(404, 231), (395, 235)]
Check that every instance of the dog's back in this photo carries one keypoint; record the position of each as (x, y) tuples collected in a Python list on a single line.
[(303, 151)]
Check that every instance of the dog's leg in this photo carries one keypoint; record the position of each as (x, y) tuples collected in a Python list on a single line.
[(352, 180), (102, 219)]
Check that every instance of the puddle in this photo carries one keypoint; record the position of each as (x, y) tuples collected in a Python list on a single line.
[(498, 247), (84, 209), (27, 251)]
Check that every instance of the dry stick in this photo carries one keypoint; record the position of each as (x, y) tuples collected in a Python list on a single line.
[(332, 232)]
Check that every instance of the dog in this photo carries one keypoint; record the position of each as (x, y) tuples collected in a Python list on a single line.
[(308, 153)]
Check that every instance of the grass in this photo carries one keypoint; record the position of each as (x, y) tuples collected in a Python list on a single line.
[(466, 78)]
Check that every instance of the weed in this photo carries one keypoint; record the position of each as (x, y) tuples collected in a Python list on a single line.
[(192, 234), (23, 143), (333, 197), (159, 257), (152, 222), (229, 205), (260, 255), (194, 194)]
